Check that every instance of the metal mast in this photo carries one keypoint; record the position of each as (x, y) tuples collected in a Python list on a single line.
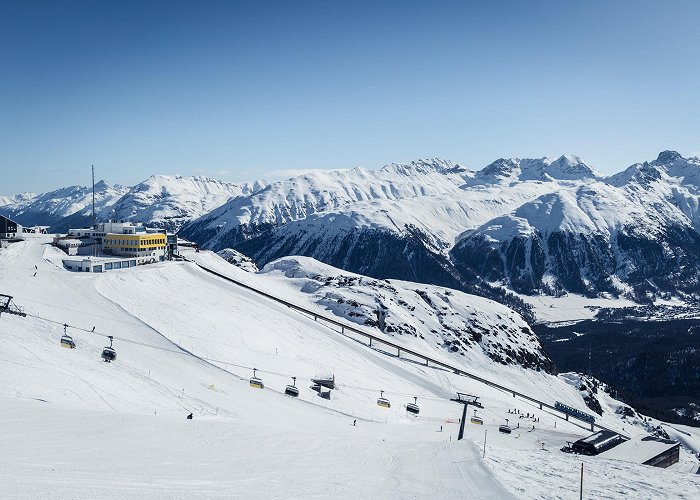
[(93, 196), (94, 221)]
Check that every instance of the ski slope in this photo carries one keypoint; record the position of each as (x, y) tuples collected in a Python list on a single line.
[(75, 427)]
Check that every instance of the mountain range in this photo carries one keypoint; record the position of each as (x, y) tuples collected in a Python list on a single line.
[(528, 226)]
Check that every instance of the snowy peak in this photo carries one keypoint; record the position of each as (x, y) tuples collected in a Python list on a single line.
[(564, 168), (171, 200), (666, 157), (424, 167), (669, 167), (62, 202), (299, 197), (16, 198), (570, 167)]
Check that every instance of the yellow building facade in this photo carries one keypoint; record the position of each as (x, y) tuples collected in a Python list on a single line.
[(146, 247)]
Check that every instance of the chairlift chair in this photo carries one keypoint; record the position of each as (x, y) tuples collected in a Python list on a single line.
[(67, 340), (255, 382), (382, 401), (477, 420), (413, 407), (108, 353), (292, 390)]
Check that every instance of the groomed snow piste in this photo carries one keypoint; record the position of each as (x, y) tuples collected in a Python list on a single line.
[(73, 426)]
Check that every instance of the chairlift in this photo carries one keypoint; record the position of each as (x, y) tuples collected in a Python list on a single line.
[(477, 420), (255, 382), (67, 340), (505, 429), (413, 407), (382, 401), (292, 390), (108, 353)]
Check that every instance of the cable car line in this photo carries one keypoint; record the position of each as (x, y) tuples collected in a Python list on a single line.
[(182, 351), (219, 361)]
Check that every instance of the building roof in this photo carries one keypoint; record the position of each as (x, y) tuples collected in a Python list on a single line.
[(68, 242), (639, 449)]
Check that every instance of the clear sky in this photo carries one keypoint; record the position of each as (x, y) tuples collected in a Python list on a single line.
[(246, 90)]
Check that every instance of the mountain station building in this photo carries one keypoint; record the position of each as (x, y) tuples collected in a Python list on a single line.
[(147, 248), (9, 229)]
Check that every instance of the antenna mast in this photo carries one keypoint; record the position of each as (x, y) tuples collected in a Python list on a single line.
[(93, 196)]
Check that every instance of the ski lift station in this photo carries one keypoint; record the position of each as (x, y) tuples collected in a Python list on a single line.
[(646, 450), (97, 264), (9, 229), (115, 245)]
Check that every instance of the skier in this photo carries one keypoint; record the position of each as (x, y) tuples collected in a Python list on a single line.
[(354, 423), (189, 417)]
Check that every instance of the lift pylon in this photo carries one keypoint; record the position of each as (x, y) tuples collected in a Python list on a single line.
[(7, 306)]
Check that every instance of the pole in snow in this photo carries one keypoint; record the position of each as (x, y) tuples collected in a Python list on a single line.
[(485, 431), (461, 424), (581, 488)]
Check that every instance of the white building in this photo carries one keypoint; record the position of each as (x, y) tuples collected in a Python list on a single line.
[(97, 264), (69, 245)]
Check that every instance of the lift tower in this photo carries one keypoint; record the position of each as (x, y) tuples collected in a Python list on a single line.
[(466, 400)]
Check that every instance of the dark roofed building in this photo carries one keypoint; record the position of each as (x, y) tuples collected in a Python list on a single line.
[(597, 443), (9, 229), (647, 450)]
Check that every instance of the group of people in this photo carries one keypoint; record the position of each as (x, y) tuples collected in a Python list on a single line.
[(515, 411)]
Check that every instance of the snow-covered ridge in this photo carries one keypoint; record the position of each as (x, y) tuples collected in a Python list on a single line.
[(170, 201), (161, 200), (299, 197), (439, 319), (16, 198), (238, 259), (50, 207), (565, 168), (531, 225)]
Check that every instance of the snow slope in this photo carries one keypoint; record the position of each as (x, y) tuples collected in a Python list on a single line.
[(73, 424), (480, 330)]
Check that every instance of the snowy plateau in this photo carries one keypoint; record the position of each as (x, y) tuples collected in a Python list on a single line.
[(188, 334)]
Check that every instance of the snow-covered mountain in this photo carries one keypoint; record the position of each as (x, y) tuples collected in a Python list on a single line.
[(16, 198), (169, 201), (318, 192), (529, 225), (62, 206), (161, 200)]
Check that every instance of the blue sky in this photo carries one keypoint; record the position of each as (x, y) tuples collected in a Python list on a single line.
[(245, 90)]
